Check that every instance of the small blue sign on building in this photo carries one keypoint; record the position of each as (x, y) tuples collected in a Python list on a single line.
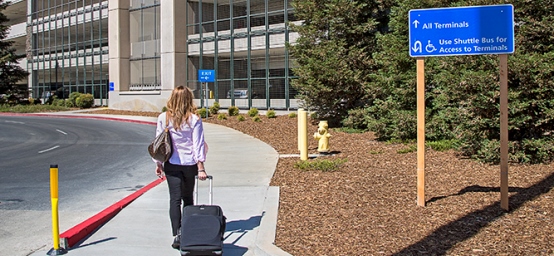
[(112, 87), (206, 75), (462, 30)]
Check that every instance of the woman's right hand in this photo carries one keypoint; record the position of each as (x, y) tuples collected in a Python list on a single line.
[(159, 171), (202, 175)]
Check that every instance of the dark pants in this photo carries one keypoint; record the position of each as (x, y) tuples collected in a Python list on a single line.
[(180, 180)]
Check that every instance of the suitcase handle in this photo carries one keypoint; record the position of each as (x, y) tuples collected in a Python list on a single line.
[(211, 191)]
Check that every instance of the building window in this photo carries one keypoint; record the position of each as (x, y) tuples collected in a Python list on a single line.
[(145, 46), (68, 48), (244, 42)]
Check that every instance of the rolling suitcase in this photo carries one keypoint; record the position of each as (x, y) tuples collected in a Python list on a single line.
[(202, 227)]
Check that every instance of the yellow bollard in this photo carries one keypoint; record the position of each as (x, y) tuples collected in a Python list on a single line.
[(303, 134), (56, 250), (299, 126)]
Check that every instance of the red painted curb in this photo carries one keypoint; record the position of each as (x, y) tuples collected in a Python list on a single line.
[(79, 116), (77, 233)]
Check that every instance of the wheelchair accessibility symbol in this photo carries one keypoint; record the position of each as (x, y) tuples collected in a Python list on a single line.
[(418, 47), (430, 47)]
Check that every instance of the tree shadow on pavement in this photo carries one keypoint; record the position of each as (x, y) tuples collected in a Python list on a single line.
[(466, 227)]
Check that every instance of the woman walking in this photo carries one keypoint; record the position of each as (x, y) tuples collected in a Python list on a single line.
[(188, 156)]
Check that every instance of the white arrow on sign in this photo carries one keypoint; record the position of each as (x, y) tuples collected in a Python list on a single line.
[(417, 46), (415, 23)]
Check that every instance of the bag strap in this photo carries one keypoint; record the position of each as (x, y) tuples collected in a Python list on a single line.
[(167, 116)]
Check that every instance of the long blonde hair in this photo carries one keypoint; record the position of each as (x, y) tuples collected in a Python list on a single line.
[(181, 106)]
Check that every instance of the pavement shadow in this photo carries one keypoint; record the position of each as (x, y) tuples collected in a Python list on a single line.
[(469, 225), (81, 245), (242, 226), (237, 229)]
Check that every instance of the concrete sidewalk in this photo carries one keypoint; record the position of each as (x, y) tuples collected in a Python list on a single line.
[(242, 167)]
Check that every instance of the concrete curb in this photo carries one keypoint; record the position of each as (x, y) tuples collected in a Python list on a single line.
[(265, 240)]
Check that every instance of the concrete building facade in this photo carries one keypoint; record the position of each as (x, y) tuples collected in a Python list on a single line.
[(130, 54)]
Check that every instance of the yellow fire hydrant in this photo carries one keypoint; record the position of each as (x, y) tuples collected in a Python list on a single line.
[(322, 135)]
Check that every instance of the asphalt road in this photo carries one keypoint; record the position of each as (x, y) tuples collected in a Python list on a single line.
[(99, 163)]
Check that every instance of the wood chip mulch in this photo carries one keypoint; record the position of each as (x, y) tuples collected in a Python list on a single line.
[(368, 205)]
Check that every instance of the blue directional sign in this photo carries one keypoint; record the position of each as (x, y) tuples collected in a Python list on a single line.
[(206, 75), (462, 30)]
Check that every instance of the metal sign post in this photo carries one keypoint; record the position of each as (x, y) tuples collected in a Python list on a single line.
[(207, 105), (206, 76), (462, 31)]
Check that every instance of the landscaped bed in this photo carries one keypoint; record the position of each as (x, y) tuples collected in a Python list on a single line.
[(368, 205)]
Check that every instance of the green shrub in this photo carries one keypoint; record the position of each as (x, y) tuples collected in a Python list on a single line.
[(355, 119), (221, 116), (84, 101), (292, 115), (50, 100), (252, 112), (72, 99), (202, 112), (256, 119), (241, 118), (271, 113), (390, 123), (533, 151), (60, 102), (67, 103), (31, 108), (164, 109), (233, 111), (214, 109), (320, 165)]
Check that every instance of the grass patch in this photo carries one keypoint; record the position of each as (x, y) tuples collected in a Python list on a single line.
[(398, 141), (320, 165), (409, 149), (443, 145), (349, 130), (32, 108)]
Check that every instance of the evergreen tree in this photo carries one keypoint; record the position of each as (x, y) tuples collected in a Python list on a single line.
[(10, 71), (333, 53)]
